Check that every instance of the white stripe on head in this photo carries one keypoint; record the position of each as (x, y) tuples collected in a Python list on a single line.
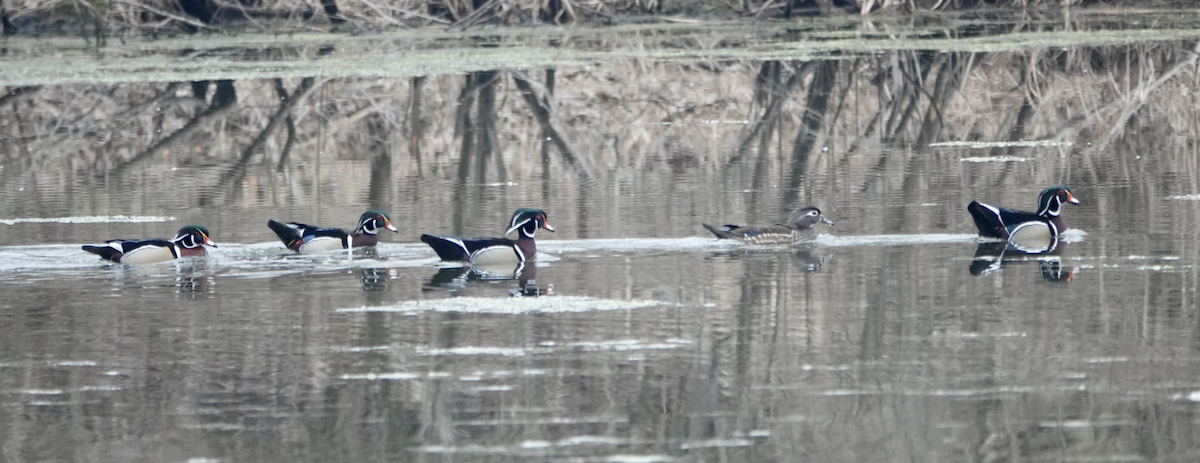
[(516, 225), (1054, 208)]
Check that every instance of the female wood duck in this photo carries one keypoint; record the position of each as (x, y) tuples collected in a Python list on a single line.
[(306, 239), (1009, 224), (799, 228), (488, 251), (189, 242)]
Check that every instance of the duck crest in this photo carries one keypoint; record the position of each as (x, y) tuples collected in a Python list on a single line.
[(528, 220), (192, 236), (371, 221), (1051, 199)]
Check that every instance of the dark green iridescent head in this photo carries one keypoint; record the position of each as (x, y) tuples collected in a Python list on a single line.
[(1051, 199), (371, 221), (528, 220), (193, 236)]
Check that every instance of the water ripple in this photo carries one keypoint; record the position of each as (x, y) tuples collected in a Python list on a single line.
[(512, 306)]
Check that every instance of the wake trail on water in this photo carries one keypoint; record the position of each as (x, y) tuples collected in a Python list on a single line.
[(269, 259)]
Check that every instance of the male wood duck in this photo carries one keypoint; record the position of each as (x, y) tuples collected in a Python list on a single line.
[(486, 251), (798, 228), (1009, 224), (189, 242), (306, 239)]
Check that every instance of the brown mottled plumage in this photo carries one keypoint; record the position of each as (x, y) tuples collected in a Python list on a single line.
[(799, 228)]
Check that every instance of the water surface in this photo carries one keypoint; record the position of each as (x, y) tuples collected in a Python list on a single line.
[(896, 335)]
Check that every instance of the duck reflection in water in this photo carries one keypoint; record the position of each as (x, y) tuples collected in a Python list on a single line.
[(376, 278), (806, 259), (193, 281), (991, 256), (525, 274)]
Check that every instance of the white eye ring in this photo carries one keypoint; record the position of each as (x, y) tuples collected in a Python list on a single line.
[(813, 213)]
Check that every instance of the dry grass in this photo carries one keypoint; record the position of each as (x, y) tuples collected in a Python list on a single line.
[(67, 16), (636, 113)]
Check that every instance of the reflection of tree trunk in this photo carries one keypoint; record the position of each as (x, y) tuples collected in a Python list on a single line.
[(766, 81), (912, 72), (223, 100), (1017, 132), (816, 104), (545, 138), (282, 115), (486, 119), (749, 303), (466, 101), (436, 421), (758, 184), (777, 95), (291, 128), (478, 139), (200, 90), (381, 166), (837, 111), (6, 26), (20, 143), (542, 112), (463, 128), (416, 128), (743, 343), (1018, 129), (879, 298), (948, 78)]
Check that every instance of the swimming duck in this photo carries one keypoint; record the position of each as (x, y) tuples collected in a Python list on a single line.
[(1009, 224), (485, 251), (189, 242), (306, 239), (798, 228)]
